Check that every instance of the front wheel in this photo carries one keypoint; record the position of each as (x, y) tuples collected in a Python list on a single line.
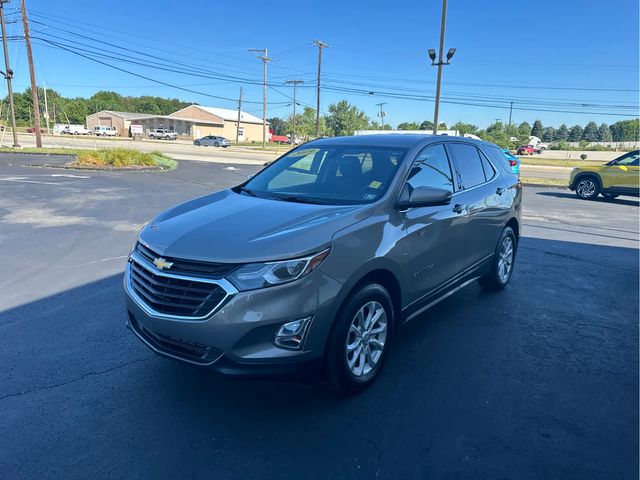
[(502, 264), (587, 188), (360, 339), (216, 144)]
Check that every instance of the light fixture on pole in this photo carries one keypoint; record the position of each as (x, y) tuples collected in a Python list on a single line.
[(440, 63)]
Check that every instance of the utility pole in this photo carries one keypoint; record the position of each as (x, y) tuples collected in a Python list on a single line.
[(265, 59), (321, 45), (46, 108), (510, 110), (293, 119), (382, 113), (32, 74), (440, 64), (8, 74), (239, 112)]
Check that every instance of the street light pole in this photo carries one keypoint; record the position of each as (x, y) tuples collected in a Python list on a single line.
[(440, 64), (8, 75)]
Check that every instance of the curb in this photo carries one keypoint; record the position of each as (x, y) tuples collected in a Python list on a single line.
[(99, 169), (42, 154), (544, 185)]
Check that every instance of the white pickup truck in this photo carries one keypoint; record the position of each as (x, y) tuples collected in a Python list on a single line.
[(163, 134)]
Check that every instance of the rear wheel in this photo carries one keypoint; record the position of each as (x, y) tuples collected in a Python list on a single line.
[(360, 338), (502, 264), (587, 188)]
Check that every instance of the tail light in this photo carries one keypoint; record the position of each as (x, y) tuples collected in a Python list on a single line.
[(513, 163)]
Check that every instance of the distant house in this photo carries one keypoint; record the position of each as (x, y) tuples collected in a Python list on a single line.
[(191, 122), (110, 118), (226, 122)]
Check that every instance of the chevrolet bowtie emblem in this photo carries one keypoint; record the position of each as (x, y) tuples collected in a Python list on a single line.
[(161, 263)]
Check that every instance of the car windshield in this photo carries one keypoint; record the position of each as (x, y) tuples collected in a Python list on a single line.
[(328, 174)]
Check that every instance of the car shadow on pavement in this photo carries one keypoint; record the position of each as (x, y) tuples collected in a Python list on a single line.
[(550, 365), (619, 200)]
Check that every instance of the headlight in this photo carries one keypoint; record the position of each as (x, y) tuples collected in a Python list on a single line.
[(259, 275)]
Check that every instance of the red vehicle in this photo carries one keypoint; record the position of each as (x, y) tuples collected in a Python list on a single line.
[(279, 139), (33, 130), (526, 150)]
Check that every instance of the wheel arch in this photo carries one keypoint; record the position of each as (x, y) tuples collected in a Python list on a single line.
[(593, 175), (515, 226)]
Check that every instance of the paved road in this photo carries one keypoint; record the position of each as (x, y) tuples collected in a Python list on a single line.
[(539, 381), (183, 150)]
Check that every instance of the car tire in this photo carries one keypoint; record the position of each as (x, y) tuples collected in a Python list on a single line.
[(216, 144), (502, 263), (354, 357), (610, 196), (197, 143), (587, 187)]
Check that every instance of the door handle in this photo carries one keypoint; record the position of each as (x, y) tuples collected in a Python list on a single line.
[(458, 208), (499, 191)]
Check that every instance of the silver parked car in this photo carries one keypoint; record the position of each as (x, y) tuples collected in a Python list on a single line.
[(212, 141), (313, 264)]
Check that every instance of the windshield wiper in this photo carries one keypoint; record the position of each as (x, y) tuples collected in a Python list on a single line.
[(301, 199), (247, 191)]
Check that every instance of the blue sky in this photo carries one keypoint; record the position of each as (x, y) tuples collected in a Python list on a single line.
[(572, 56)]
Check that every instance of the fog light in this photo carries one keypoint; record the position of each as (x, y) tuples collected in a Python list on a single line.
[(291, 334)]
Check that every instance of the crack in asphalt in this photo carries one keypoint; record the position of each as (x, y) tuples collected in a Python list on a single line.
[(88, 374)]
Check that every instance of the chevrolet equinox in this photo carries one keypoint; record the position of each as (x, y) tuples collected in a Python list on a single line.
[(313, 263)]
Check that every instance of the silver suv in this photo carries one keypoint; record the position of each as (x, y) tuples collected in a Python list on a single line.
[(313, 264)]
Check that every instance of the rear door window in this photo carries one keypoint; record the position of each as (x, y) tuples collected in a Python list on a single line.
[(469, 164)]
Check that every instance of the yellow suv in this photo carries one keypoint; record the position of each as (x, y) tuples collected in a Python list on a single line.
[(618, 177)]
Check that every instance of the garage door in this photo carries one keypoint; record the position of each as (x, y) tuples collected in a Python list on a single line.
[(105, 121)]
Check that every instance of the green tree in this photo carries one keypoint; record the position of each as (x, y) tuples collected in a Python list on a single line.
[(562, 133), (537, 130), (426, 125), (575, 133), (626, 131), (604, 133), (344, 119), (464, 128), (548, 134), (277, 125), (409, 126), (524, 130), (590, 132)]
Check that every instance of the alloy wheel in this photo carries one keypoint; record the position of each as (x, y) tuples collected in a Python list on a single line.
[(505, 260), (366, 338), (586, 188)]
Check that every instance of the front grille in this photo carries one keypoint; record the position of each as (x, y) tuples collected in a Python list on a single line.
[(174, 296), (189, 267), (177, 347)]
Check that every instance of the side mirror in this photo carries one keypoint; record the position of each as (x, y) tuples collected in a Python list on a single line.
[(423, 197)]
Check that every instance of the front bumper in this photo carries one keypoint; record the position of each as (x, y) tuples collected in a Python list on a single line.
[(237, 338)]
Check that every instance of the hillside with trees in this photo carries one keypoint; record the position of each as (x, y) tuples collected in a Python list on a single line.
[(74, 110)]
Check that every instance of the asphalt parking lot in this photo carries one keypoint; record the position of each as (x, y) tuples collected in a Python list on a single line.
[(539, 381)]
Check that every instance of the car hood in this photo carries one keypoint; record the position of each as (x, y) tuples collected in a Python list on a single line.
[(235, 228)]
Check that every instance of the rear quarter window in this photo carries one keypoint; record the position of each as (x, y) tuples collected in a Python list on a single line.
[(498, 158)]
